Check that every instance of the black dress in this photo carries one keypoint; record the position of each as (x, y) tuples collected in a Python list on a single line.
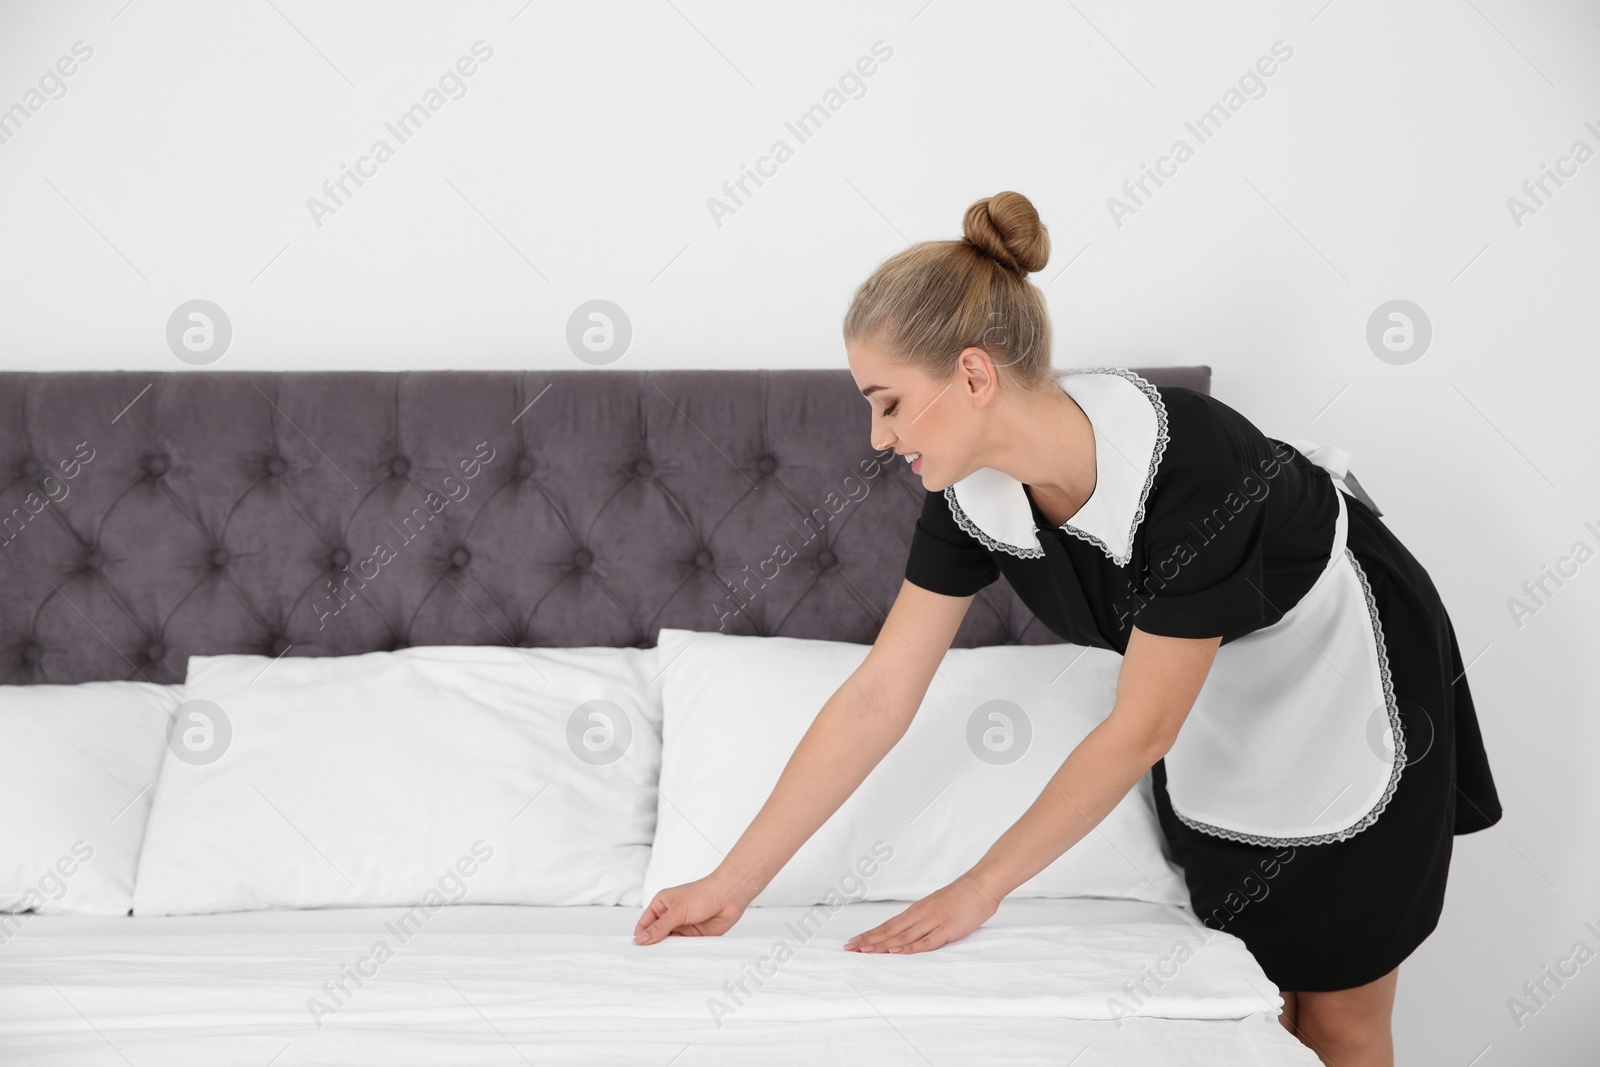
[(1326, 915)]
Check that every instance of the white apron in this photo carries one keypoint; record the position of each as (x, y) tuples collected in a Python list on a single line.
[(1295, 737)]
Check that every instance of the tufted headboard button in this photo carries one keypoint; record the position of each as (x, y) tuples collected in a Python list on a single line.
[(32, 652), (583, 557), (826, 558), (277, 466), (219, 557), (94, 560), (644, 468), (702, 558), (155, 466), (401, 466), (767, 464), (278, 645), (340, 558), (461, 557), (30, 467), (524, 466), (156, 652)]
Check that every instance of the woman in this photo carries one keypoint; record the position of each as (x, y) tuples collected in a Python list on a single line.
[(1332, 752)]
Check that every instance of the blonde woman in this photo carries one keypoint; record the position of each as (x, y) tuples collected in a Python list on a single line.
[(1309, 778)]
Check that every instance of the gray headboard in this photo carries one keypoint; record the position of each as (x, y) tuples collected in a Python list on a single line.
[(148, 517)]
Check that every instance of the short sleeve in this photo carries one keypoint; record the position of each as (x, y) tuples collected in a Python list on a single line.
[(1205, 574), (945, 558)]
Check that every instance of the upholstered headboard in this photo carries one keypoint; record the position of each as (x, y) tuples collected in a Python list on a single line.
[(148, 517)]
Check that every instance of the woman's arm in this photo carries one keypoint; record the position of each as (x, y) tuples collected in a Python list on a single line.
[(852, 733), (1158, 682), (1156, 686)]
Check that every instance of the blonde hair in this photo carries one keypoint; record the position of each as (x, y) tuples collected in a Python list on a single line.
[(926, 304)]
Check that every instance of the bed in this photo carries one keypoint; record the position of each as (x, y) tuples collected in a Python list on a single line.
[(213, 519), (233, 989)]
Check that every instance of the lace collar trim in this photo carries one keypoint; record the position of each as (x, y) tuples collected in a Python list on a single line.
[(1130, 434)]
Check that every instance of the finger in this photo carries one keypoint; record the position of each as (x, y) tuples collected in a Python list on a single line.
[(662, 927), (865, 942), (861, 938), (866, 935), (658, 908), (665, 924), (931, 940), (873, 939), (650, 915), (860, 942), (910, 934)]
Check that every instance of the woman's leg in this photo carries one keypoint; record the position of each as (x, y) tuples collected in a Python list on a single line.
[(1349, 1027), (1289, 1011)]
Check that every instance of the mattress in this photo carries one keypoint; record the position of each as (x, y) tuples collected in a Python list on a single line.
[(1043, 981)]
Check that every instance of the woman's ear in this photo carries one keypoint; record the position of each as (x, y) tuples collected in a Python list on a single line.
[(976, 374)]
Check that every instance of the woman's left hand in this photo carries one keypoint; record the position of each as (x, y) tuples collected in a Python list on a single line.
[(937, 919)]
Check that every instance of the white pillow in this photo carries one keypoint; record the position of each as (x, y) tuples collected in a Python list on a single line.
[(77, 767), (735, 708), (479, 774)]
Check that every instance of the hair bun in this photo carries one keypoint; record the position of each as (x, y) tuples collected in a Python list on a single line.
[(1006, 228)]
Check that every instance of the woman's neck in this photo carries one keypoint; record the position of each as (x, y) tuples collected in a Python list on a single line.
[(1050, 448)]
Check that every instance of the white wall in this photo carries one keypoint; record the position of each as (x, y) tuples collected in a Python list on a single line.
[(1376, 165)]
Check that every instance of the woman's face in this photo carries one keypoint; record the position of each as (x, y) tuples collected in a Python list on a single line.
[(914, 414)]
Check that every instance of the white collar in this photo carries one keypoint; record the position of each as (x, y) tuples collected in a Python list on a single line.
[(1129, 422)]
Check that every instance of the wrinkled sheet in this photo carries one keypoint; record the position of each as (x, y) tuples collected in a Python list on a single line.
[(311, 988)]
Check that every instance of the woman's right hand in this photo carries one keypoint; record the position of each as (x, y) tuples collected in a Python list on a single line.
[(706, 907)]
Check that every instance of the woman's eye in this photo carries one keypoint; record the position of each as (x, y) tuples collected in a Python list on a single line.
[(890, 410)]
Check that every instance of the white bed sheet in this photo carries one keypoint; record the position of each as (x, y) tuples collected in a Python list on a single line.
[(1041, 982)]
